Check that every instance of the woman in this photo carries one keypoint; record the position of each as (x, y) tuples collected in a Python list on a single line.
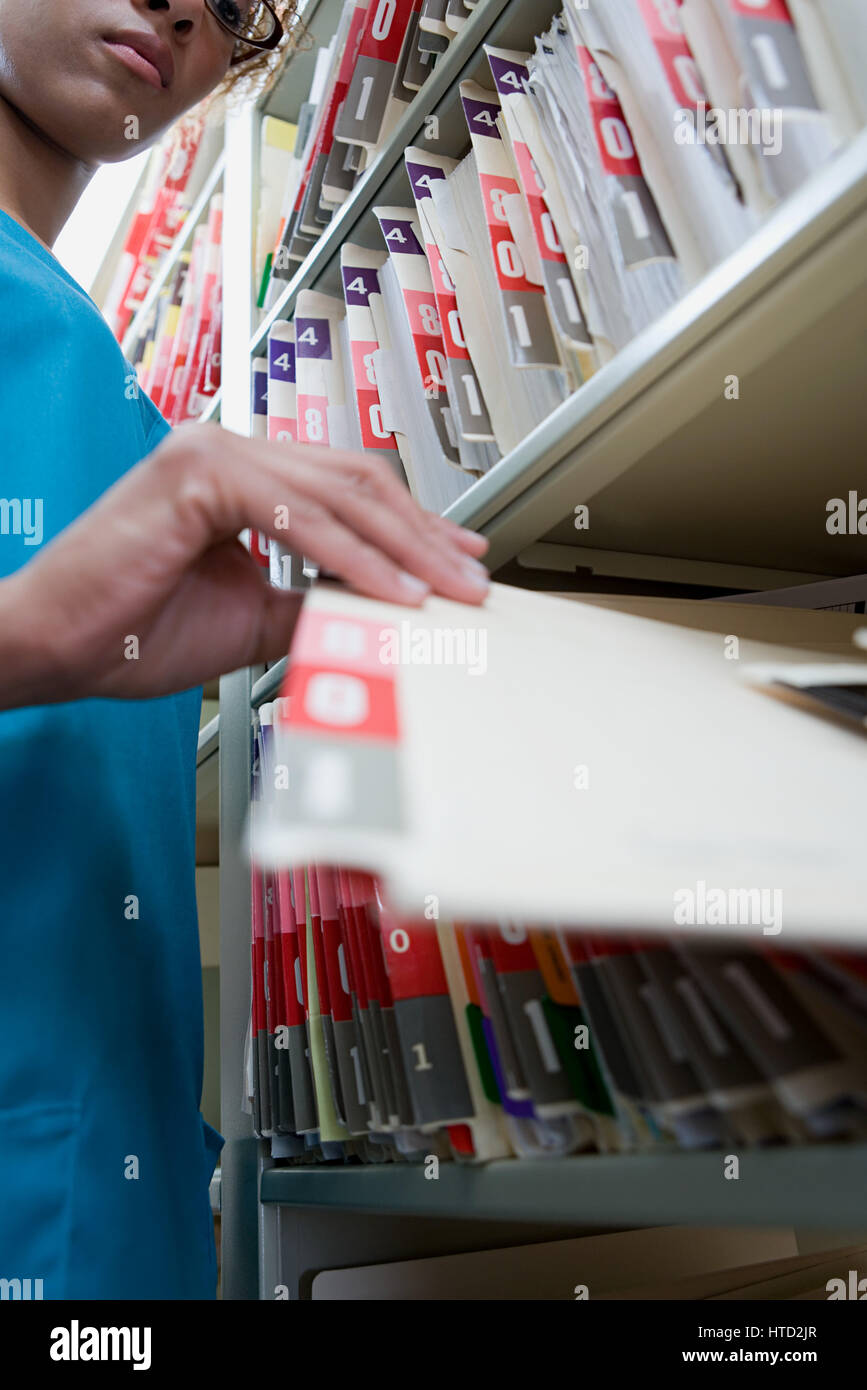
[(104, 1158)]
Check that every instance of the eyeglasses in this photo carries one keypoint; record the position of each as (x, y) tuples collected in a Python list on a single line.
[(252, 22)]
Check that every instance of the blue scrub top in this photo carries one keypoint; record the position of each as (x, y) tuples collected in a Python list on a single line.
[(105, 1159)]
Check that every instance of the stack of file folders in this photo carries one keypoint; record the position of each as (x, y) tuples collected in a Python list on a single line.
[(605, 886)]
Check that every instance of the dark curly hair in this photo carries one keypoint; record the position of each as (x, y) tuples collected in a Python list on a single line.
[(260, 70)]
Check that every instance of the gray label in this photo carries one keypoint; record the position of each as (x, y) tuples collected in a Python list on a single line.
[(528, 329), (432, 1058), (639, 228), (774, 65), (360, 119)]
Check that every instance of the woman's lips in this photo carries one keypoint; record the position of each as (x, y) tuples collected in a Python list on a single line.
[(136, 62)]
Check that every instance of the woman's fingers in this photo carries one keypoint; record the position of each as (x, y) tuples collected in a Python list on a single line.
[(343, 551), (411, 541), (347, 512), (365, 497), (470, 541), (372, 473)]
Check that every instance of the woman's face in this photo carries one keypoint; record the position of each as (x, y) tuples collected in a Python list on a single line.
[(78, 70)]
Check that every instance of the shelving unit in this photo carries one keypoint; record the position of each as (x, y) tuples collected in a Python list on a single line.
[(684, 488), (635, 1189), (181, 243)]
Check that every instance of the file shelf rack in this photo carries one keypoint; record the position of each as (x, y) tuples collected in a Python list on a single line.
[(687, 491)]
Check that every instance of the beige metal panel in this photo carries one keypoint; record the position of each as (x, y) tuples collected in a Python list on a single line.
[(208, 903)]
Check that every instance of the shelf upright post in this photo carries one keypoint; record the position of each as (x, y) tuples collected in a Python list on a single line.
[(240, 1161)]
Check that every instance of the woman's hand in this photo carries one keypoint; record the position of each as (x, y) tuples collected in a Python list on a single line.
[(156, 559)]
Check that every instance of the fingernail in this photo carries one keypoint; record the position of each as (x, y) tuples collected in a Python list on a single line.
[(412, 585), (476, 573)]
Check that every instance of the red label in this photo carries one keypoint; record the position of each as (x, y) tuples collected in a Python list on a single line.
[(333, 948), (312, 419), (342, 702), (287, 935), (412, 958), (258, 968), (374, 435), (511, 949), (762, 9), (384, 29), (663, 24), (613, 136), (507, 258), (547, 241), (447, 306), (282, 430), (341, 642), (424, 320)]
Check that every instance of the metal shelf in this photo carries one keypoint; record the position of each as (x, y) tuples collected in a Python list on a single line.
[(460, 60), (649, 434), (209, 741), (686, 486), (267, 687), (821, 1186)]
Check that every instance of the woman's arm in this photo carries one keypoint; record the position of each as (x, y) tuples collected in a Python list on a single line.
[(149, 591)]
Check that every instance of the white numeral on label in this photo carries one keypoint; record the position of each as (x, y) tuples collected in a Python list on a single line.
[(472, 392), (522, 331), (549, 233), (381, 26), (455, 329), (436, 365), (615, 134), (509, 260), (429, 319), (498, 208), (422, 1064), (570, 303), (635, 213), (313, 425), (364, 98), (511, 932), (376, 425), (548, 1052), (769, 56), (343, 639), (334, 698), (689, 78), (669, 15), (359, 1083)]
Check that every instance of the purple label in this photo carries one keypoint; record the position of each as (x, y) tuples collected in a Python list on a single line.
[(419, 176), (508, 76), (281, 360), (481, 117), (523, 1108), (260, 392), (400, 237), (312, 338), (359, 283)]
